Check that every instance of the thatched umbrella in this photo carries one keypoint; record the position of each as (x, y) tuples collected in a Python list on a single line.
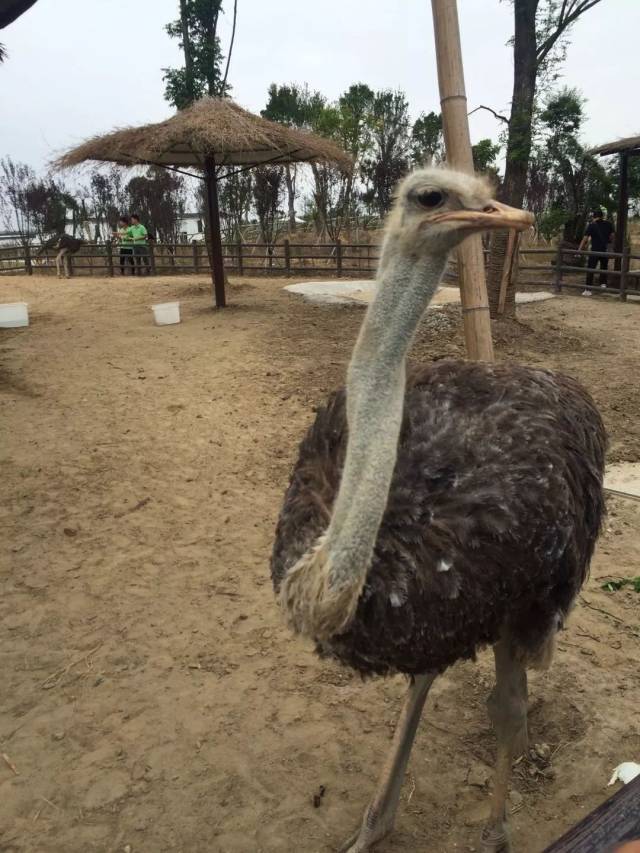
[(212, 132)]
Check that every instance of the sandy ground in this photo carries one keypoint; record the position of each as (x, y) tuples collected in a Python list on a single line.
[(151, 699)]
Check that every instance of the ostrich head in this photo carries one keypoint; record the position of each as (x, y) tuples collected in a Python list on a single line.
[(434, 211)]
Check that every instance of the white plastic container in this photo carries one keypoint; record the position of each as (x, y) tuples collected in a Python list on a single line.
[(166, 313), (13, 314)]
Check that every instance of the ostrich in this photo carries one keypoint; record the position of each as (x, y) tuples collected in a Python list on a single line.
[(432, 514), (66, 246)]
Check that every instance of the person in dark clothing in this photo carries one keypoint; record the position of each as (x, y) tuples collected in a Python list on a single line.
[(600, 233), (125, 245)]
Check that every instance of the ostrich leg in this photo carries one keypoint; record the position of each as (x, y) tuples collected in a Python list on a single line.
[(59, 258), (508, 711), (380, 813), (66, 262)]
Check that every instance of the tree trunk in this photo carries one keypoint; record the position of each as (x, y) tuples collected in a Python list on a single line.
[(291, 196), (518, 145), (188, 51)]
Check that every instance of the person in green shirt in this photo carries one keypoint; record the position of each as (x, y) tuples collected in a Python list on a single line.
[(139, 238)]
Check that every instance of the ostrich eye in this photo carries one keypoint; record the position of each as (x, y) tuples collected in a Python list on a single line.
[(430, 199)]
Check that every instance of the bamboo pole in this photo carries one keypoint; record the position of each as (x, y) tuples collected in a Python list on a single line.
[(453, 99)]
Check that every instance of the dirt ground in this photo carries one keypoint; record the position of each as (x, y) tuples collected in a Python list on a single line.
[(151, 699)]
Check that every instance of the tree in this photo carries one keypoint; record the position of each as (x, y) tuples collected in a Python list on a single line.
[(204, 71), (159, 199), (295, 106), (48, 208), (389, 157), (539, 43), (427, 141), (268, 197), (285, 105), (485, 153), (108, 198), (236, 193), (565, 181), (17, 214), (355, 108)]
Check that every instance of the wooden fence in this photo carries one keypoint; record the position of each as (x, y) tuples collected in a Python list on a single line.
[(567, 269), (559, 268), (285, 258)]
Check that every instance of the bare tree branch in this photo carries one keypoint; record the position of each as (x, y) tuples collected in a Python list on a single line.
[(493, 112), (230, 51), (570, 11)]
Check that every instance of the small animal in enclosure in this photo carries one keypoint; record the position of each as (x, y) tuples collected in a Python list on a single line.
[(439, 511), (66, 246)]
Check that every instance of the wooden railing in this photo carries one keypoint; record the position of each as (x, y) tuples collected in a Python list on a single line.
[(565, 268), (284, 258)]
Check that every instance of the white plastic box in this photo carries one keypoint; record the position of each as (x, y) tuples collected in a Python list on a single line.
[(13, 314), (166, 313)]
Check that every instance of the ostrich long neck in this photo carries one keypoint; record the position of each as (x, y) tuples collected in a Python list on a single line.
[(375, 401)]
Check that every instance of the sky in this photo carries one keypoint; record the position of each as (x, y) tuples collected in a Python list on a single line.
[(77, 68)]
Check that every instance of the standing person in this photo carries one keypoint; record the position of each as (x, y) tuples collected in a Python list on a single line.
[(138, 234), (125, 244), (600, 232)]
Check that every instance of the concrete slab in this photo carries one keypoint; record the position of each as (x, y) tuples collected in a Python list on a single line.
[(362, 292), (623, 479)]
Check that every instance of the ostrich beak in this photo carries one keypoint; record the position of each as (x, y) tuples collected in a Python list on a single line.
[(493, 216)]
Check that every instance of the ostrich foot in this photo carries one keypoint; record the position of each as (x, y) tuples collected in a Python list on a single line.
[(380, 813), (495, 839), (373, 829)]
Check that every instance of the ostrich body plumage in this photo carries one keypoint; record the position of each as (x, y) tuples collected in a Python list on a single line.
[(495, 505)]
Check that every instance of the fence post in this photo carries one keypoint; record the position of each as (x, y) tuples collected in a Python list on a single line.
[(109, 248), (624, 271), (240, 261), (557, 278), (287, 256), (196, 263), (152, 257), (28, 268), (338, 257)]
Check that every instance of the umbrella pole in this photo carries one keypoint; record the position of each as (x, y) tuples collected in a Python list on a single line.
[(215, 242)]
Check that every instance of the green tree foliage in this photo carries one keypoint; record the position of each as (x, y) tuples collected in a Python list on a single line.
[(389, 157), (204, 71), (295, 106), (48, 206), (427, 140), (565, 181), (485, 153)]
